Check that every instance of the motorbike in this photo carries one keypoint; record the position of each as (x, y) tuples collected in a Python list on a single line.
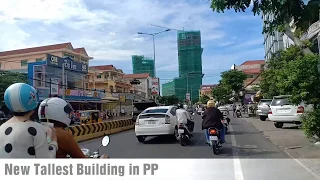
[(226, 122), (214, 140), (95, 155), (184, 134)]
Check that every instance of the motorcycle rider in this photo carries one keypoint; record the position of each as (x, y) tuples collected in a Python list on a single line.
[(212, 118), (21, 136), (184, 117), (58, 111)]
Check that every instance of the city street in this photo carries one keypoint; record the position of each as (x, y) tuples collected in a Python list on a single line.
[(250, 155)]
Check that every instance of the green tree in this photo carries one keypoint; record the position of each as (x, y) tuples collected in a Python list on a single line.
[(292, 72), (284, 12), (233, 80), (221, 93), (7, 78), (204, 99)]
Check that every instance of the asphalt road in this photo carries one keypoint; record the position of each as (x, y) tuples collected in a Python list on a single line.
[(250, 155)]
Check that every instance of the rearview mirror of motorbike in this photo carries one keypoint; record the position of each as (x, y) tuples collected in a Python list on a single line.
[(105, 141)]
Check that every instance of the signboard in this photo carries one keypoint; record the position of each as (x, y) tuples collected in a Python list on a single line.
[(54, 86), (155, 86), (122, 98), (68, 63), (188, 96)]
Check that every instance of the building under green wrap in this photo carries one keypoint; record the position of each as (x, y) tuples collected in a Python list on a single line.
[(141, 65)]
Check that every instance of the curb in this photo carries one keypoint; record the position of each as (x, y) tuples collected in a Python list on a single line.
[(92, 131)]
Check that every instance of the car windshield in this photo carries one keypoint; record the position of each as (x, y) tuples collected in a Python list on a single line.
[(280, 102), (155, 111), (265, 102)]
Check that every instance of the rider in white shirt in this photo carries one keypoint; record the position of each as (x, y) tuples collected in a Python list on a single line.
[(184, 117)]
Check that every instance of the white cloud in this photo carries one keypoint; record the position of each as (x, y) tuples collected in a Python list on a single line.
[(108, 29)]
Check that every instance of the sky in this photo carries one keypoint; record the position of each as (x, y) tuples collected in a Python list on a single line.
[(108, 31)]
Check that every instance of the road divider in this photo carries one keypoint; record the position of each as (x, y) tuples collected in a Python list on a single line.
[(95, 130)]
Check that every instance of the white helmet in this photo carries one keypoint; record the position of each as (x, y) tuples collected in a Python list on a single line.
[(55, 109)]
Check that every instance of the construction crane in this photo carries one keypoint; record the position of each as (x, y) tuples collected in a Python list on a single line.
[(167, 27)]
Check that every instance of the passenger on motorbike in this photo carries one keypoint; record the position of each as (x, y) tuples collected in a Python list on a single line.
[(21, 136), (58, 111), (212, 118), (184, 117)]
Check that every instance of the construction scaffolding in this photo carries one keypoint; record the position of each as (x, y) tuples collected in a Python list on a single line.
[(190, 63), (141, 64)]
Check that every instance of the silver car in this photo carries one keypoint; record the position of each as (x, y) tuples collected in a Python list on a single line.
[(263, 108)]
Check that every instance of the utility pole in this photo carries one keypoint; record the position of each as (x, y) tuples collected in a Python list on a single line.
[(63, 82)]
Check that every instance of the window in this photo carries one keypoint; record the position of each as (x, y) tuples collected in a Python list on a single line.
[(99, 76), (24, 63), (38, 60), (249, 76), (156, 111), (0, 65), (280, 101)]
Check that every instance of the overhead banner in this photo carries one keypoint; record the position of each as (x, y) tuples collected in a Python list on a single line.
[(155, 86)]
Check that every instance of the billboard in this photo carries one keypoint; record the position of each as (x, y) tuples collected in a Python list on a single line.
[(155, 86)]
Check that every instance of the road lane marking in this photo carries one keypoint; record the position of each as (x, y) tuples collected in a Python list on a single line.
[(238, 175)]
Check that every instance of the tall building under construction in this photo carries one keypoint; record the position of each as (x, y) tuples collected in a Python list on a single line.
[(190, 66), (142, 65)]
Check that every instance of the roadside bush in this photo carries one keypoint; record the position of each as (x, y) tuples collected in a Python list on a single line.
[(311, 123)]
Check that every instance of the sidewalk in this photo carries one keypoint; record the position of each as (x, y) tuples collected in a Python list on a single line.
[(292, 141)]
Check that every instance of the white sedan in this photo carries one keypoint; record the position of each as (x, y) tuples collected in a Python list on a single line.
[(156, 121)]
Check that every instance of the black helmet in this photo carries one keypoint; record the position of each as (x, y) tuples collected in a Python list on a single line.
[(180, 106)]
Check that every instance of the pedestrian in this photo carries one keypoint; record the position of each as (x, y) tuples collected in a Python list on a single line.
[(234, 108)]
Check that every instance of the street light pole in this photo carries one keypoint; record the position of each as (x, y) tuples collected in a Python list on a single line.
[(154, 46), (154, 56)]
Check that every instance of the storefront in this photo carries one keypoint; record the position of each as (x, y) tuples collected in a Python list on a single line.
[(47, 76)]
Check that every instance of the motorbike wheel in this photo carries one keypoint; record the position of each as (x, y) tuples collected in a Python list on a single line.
[(215, 148), (183, 140)]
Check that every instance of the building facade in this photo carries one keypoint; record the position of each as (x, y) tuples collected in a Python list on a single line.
[(144, 88), (206, 90), (253, 71), (17, 60), (64, 78), (276, 41), (142, 65), (190, 66)]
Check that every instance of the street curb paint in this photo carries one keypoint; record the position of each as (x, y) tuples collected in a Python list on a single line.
[(95, 130)]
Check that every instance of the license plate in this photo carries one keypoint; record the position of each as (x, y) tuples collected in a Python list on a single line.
[(283, 111), (151, 122), (213, 138), (180, 131), (225, 121)]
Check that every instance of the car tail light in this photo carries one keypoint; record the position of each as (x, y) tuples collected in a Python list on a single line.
[(137, 121), (300, 109), (270, 112), (167, 119), (213, 132), (181, 125)]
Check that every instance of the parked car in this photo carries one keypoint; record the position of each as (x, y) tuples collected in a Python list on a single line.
[(140, 107), (282, 111), (156, 121), (263, 108)]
